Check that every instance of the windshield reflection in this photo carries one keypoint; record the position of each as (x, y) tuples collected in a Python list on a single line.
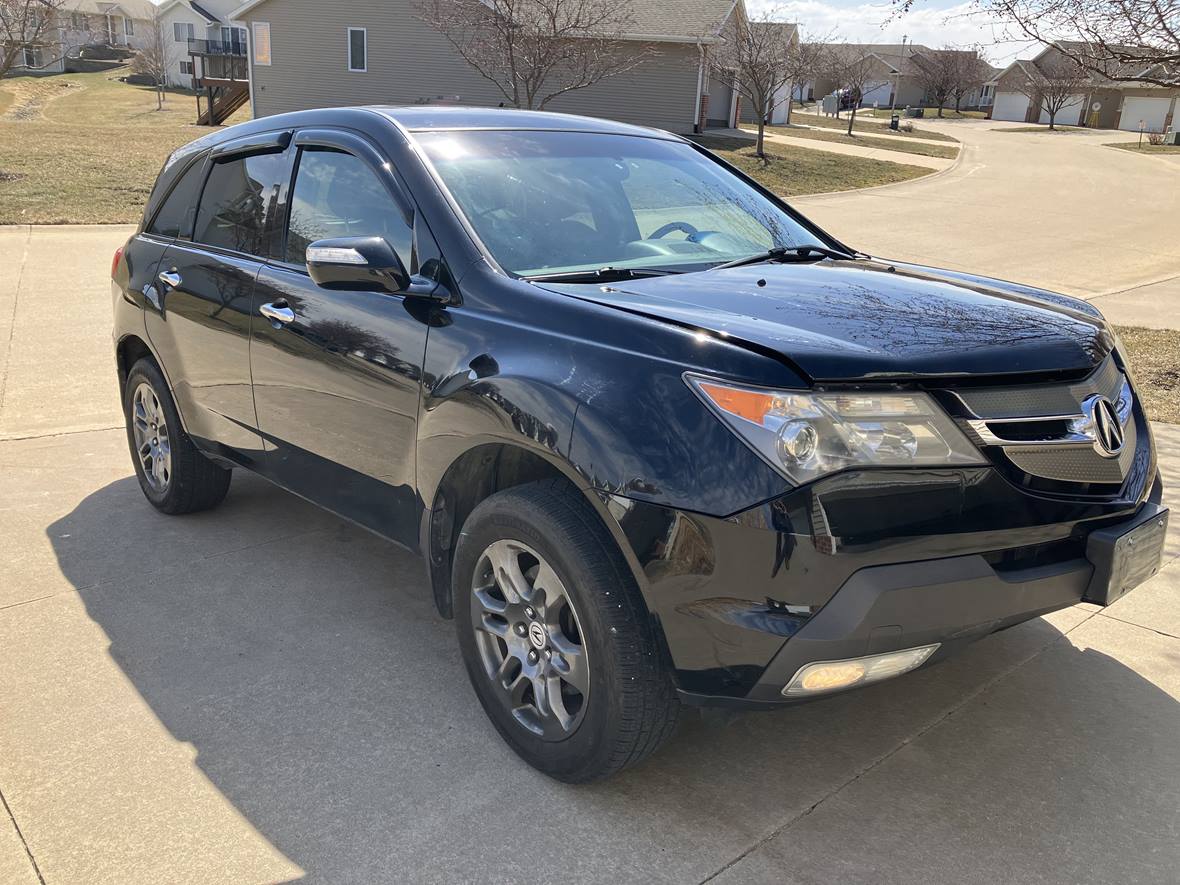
[(563, 202)]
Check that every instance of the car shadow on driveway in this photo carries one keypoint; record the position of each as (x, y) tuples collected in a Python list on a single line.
[(303, 659)]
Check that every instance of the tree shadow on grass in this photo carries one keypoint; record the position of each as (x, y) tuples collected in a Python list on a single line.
[(303, 659)]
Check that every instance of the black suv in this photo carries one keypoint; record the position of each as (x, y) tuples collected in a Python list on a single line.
[(661, 440)]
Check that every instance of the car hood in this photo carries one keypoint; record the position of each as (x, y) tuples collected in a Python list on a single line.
[(873, 320)]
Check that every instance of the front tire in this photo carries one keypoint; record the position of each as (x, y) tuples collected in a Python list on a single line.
[(555, 636), (174, 476)]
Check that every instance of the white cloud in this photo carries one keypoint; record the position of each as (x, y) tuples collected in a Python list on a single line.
[(961, 24)]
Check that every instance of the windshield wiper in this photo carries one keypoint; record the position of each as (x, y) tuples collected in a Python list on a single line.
[(787, 253), (602, 275)]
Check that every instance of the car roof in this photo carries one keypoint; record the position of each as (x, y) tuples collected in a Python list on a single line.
[(424, 118)]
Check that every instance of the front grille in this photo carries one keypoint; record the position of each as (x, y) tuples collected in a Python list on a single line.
[(1050, 436)]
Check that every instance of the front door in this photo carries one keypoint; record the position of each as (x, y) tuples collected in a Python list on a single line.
[(337, 383), (201, 328)]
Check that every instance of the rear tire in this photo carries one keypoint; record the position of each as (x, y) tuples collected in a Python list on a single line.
[(570, 669), (174, 476)]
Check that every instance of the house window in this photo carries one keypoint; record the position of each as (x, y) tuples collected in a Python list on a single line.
[(77, 21), (186, 67), (183, 31), (30, 57), (261, 43), (128, 27), (357, 49)]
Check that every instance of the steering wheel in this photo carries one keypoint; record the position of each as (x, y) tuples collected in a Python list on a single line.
[(664, 229)]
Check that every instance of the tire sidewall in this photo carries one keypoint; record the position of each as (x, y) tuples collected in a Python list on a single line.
[(146, 371), (585, 749)]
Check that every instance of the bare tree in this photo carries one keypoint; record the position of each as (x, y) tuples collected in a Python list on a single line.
[(970, 72), (25, 23), (1051, 85), (758, 58), (156, 56), (936, 74), (1128, 41), (533, 51), (851, 66), (803, 64)]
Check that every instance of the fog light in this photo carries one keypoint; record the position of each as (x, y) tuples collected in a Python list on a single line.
[(824, 676)]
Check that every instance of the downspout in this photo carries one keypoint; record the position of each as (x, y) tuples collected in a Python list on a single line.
[(696, 111)]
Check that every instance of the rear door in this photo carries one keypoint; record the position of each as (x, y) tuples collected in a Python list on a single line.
[(337, 386), (201, 325)]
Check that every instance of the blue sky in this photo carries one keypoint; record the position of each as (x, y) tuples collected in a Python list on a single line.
[(933, 22)]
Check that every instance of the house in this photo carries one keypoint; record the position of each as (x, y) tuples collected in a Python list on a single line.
[(898, 78), (82, 23), (203, 40), (1099, 103), (778, 112), (379, 51)]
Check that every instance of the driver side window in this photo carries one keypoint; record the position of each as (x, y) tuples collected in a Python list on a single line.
[(338, 195)]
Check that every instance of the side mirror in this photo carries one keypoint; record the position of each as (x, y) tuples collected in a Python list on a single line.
[(367, 263)]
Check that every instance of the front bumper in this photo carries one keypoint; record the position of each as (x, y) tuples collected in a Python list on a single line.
[(872, 563)]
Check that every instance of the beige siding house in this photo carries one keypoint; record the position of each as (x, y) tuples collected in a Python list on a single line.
[(379, 52), (79, 23), (1099, 103)]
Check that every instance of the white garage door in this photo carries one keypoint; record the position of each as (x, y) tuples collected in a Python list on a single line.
[(1010, 106), (1070, 113), (876, 92), (1151, 111)]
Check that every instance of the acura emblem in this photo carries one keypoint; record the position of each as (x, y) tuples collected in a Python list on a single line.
[(1108, 432)]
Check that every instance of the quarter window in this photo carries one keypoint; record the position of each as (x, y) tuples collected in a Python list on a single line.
[(175, 217), (339, 195), (238, 202), (357, 49)]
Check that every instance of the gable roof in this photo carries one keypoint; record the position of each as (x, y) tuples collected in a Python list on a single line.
[(136, 9)]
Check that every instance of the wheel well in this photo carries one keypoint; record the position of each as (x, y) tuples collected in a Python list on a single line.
[(475, 475), (130, 351)]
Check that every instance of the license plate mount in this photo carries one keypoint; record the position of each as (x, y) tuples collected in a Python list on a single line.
[(1126, 555)]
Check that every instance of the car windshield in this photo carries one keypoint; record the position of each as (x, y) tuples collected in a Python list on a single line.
[(564, 202)]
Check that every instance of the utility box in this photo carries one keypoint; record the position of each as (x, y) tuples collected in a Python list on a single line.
[(830, 105), (894, 121)]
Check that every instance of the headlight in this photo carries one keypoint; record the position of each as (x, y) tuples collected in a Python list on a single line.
[(807, 435)]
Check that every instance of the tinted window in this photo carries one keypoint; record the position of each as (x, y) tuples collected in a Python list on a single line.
[(237, 202), (356, 49), (339, 195), (175, 217), (569, 201)]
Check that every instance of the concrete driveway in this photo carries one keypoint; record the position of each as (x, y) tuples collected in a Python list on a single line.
[(1062, 211), (264, 693)]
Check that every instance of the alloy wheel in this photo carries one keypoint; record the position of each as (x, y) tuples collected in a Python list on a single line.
[(149, 428), (530, 639)]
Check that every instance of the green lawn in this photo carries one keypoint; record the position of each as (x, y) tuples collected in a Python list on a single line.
[(867, 127), (796, 171), (1154, 355), (1145, 148), (85, 148), (858, 138)]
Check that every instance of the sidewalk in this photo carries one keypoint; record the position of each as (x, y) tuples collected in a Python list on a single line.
[(834, 147)]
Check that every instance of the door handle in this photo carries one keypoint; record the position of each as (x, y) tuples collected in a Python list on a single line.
[(277, 311), (169, 278)]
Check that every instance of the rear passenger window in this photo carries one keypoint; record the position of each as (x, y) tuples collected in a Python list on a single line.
[(338, 195), (238, 201), (175, 216)]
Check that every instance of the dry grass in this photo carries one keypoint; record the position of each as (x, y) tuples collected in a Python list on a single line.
[(868, 126), (931, 114), (795, 171), (1146, 148), (1154, 355), (871, 141), (85, 148)]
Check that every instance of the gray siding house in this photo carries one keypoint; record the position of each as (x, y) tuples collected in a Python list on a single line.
[(379, 52)]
